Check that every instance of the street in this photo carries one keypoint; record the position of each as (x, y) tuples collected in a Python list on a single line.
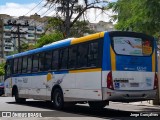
[(113, 111)]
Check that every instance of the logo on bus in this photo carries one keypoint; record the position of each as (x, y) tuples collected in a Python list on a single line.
[(141, 68)]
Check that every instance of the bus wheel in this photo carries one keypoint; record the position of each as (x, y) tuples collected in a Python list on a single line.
[(57, 99), (98, 104), (17, 99)]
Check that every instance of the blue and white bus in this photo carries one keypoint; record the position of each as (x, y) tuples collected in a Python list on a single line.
[(98, 68)]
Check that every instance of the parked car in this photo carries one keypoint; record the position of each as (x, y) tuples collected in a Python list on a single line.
[(1, 88)]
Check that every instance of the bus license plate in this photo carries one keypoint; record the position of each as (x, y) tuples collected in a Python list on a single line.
[(134, 84)]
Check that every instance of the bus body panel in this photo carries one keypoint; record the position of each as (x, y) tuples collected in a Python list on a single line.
[(76, 86), (8, 87), (129, 80), (132, 76), (80, 86), (128, 96)]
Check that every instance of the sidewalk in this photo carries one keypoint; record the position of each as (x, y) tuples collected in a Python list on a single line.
[(144, 106), (142, 103)]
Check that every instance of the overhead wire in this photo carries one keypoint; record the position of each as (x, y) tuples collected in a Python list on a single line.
[(34, 7), (31, 11)]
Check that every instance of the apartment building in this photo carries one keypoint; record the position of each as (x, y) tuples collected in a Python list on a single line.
[(31, 28), (101, 26)]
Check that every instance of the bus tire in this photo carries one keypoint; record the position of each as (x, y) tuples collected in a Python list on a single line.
[(57, 99), (97, 104), (17, 99)]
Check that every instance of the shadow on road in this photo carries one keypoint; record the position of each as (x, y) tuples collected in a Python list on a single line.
[(77, 111)]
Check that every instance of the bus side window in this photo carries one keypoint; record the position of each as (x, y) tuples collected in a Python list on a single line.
[(63, 58), (93, 54), (41, 61), (82, 55), (19, 65), (24, 65), (15, 70), (48, 61), (35, 63), (72, 57), (55, 60), (29, 64)]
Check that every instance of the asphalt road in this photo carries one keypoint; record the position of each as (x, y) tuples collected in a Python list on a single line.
[(115, 111)]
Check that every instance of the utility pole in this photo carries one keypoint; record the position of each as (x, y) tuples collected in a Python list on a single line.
[(35, 33), (18, 25)]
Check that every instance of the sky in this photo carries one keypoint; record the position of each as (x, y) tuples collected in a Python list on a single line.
[(22, 7), (2, 2)]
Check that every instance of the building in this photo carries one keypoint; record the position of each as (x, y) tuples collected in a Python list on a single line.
[(30, 28), (101, 26)]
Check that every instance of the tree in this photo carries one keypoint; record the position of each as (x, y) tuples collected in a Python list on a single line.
[(137, 15), (71, 10), (78, 29), (24, 47), (49, 38), (2, 71)]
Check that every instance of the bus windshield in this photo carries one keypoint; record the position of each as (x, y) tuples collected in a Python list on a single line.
[(132, 46)]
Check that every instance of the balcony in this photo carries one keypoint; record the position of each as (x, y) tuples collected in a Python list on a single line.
[(7, 28), (39, 30), (31, 29), (8, 47), (30, 36), (7, 35)]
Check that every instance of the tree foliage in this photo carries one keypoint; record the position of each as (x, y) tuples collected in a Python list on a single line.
[(78, 29), (71, 10), (49, 38), (2, 71), (137, 15)]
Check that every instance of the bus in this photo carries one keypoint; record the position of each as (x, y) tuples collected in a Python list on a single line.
[(116, 66)]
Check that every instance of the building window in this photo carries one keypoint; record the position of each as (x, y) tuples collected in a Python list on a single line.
[(7, 47), (8, 27), (7, 34), (39, 29), (31, 28), (30, 35), (8, 40)]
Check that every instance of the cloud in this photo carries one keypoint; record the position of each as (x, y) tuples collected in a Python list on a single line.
[(15, 9)]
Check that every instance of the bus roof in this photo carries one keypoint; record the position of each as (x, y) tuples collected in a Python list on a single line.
[(59, 44)]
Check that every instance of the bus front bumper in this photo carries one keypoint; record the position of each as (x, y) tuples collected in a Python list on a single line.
[(128, 96)]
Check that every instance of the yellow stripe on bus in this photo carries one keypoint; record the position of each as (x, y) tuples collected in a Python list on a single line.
[(153, 62), (86, 70), (87, 38), (113, 59)]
